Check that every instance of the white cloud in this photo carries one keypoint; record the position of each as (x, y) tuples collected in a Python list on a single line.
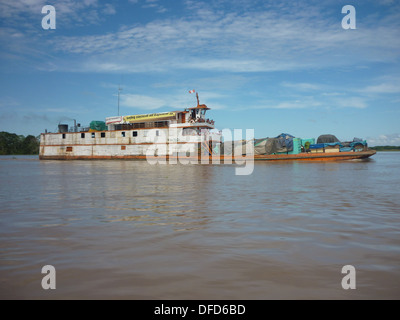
[(303, 103), (141, 102), (12, 8), (109, 9), (7, 102), (150, 4), (252, 41), (170, 101), (70, 13), (289, 105), (310, 102), (385, 140), (332, 94), (383, 88), (302, 86), (210, 37), (350, 102)]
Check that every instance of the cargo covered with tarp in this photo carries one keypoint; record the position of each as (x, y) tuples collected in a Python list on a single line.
[(275, 145), (244, 147), (333, 145), (98, 126), (327, 138), (356, 144), (288, 144), (280, 144), (237, 147), (337, 146), (260, 146)]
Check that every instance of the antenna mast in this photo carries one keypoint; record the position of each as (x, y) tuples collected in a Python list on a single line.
[(119, 90)]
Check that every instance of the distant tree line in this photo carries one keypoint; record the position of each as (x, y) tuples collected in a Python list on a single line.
[(386, 148), (10, 143)]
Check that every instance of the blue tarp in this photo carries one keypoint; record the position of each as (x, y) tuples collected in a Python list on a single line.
[(344, 147), (355, 143), (286, 140), (317, 146), (333, 144), (324, 145)]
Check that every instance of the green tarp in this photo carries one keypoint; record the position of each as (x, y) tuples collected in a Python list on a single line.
[(98, 125)]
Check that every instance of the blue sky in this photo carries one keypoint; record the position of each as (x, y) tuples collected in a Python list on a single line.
[(275, 66)]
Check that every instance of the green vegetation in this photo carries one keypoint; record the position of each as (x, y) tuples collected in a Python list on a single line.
[(10, 143), (386, 148)]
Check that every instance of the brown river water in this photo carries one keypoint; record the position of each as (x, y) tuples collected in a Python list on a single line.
[(130, 230)]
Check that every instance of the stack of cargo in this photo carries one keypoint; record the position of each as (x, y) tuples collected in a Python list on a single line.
[(325, 147), (332, 147), (294, 149), (329, 143), (317, 148), (282, 144), (98, 126), (305, 143), (288, 144)]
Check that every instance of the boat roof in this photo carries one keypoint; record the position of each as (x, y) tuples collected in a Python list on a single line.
[(201, 106)]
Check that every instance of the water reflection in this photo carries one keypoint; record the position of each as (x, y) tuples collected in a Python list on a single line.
[(124, 191)]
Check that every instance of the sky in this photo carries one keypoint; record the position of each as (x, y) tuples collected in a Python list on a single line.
[(272, 66)]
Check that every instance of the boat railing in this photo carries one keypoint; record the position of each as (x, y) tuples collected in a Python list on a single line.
[(201, 120)]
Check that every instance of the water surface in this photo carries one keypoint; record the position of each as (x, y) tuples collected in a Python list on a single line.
[(129, 230)]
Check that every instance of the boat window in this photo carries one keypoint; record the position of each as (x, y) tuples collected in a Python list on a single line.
[(103, 134), (123, 134), (93, 135), (134, 134), (69, 149), (63, 136), (82, 135), (157, 133)]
